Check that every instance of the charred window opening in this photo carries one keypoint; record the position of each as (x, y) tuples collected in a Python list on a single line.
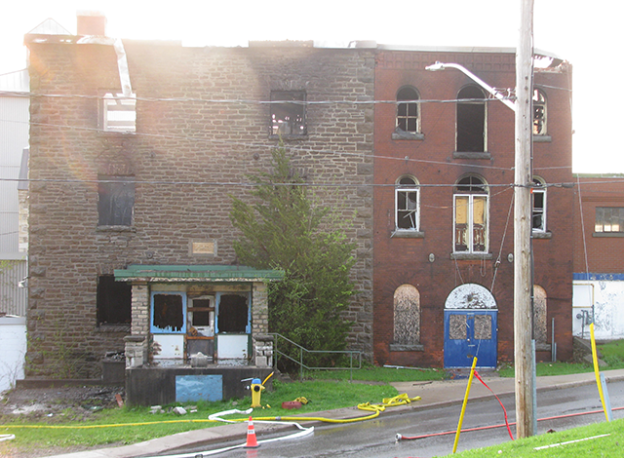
[(233, 313), (118, 113), (539, 112), (168, 313), (113, 301), (471, 216), (538, 197), (116, 200), (406, 196), (288, 113), (609, 219), (407, 112), (471, 120), (201, 317)]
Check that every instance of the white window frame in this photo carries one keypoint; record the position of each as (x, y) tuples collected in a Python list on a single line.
[(477, 189), (405, 189), (407, 117), (538, 188), (118, 112)]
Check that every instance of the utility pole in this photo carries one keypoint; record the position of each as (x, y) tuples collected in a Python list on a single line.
[(523, 351)]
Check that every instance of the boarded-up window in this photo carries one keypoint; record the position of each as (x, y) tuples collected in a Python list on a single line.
[(471, 216), (457, 327), (114, 300), (233, 313), (483, 327), (116, 200), (406, 315), (168, 313)]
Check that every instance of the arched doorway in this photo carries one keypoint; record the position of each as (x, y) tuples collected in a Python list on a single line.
[(470, 327)]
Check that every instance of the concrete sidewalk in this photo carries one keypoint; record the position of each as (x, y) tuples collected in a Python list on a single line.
[(433, 394)]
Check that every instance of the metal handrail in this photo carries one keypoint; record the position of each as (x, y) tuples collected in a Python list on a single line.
[(276, 352)]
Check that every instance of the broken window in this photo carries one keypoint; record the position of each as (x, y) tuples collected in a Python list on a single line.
[(113, 301), (539, 112), (471, 215), (118, 113), (168, 313), (538, 198), (288, 113), (407, 201), (609, 219), (233, 313), (471, 112), (406, 315), (116, 200), (201, 317), (407, 112)]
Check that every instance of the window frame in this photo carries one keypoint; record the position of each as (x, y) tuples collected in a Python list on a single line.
[(539, 187), (603, 210), (106, 199), (109, 292), (115, 102), (404, 101), (404, 188), (288, 106), (476, 190), (159, 330), (539, 101), (461, 118)]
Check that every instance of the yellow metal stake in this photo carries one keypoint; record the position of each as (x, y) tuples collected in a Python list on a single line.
[(463, 410), (596, 370)]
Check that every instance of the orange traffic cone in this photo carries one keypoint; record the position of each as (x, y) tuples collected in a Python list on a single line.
[(252, 442)]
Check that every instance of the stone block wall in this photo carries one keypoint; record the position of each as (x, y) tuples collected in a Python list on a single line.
[(202, 126)]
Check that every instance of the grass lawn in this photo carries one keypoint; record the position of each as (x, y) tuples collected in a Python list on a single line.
[(326, 390)]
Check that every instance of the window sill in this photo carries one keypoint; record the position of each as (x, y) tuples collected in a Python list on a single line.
[(480, 155), (542, 138), (289, 138), (115, 229), (615, 235), (399, 347), (541, 235), (407, 234), (470, 256), (113, 328), (117, 133), (403, 135)]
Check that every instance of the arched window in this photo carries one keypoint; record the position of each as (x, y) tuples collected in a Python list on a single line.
[(471, 111), (407, 202), (538, 199), (539, 315), (539, 112), (470, 205), (406, 316), (408, 119)]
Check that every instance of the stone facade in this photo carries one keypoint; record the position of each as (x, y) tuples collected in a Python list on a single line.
[(202, 125)]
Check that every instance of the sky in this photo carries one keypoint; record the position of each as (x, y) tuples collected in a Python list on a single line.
[(584, 33)]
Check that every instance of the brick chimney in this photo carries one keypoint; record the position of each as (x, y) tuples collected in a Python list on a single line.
[(91, 23)]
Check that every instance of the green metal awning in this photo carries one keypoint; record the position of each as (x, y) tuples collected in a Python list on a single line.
[(196, 273)]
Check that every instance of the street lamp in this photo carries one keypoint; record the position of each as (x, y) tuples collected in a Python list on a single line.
[(497, 94)]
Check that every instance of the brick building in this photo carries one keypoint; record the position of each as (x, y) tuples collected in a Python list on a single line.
[(443, 209), (136, 150), (598, 262)]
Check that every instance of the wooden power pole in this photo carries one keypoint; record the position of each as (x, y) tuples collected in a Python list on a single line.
[(523, 351)]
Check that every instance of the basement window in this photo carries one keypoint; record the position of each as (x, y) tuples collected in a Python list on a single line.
[(168, 313), (288, 114), (113, 301), (116, 200), (609, 219), (118, 113), (233, 313), (471, 125)]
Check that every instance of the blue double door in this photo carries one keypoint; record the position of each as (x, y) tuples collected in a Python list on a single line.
[(469, 333)]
